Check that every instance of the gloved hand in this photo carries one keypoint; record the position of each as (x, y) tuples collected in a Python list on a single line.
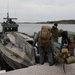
[(69, 45)]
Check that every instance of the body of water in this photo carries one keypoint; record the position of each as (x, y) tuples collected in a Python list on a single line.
[(31, 28)]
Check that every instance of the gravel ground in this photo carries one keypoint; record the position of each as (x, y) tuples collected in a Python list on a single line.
[(44, 70)]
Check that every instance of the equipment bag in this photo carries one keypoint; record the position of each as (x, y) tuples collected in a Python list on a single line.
[(44, 35)]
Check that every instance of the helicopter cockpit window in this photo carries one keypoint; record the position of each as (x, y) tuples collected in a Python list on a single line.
[(11, 28)]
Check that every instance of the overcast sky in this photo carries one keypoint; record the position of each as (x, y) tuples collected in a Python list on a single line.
[(38, 10)]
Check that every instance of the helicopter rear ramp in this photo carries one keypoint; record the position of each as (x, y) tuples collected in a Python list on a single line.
[(44, 70)]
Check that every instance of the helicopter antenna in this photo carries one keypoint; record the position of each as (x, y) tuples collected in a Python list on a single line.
[(8, 12), (7, 8)]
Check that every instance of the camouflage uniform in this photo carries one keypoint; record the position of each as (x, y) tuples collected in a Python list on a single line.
[(71, 36), (68, 38), (55, 34), (45, 49)]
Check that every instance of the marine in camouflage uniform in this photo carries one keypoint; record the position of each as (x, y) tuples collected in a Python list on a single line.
[(45, 49), (55, 34), (68, 37)]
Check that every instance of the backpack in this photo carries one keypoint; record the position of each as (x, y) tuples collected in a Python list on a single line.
[(44, 35)]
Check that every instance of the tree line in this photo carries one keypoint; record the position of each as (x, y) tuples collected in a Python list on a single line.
[(59, 22)]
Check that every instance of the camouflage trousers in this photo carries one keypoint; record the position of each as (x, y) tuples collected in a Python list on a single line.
[(72, 48), (45, 50)]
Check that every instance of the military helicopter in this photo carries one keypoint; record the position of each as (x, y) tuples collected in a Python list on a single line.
[(16, 50)]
